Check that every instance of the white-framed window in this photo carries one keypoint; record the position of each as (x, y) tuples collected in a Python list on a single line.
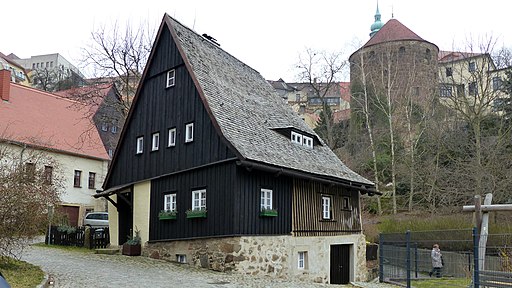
[(307, 141), (199, 199), (155, 141), (140, 145), (113, 129), (326, 207), (172, 137), (296, 138), (170, 202), (171, 78), (181, 258), (266, 199), (303, 140), (189, 132), (302, 261), (104, 126)]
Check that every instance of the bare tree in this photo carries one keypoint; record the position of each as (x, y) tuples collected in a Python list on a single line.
[(119, 53), (469, 87), (396, 95), (360, 95), (502, 58), (322, 71), (27, 190)]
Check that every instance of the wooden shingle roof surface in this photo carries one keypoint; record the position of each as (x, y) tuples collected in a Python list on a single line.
[(247, 110)]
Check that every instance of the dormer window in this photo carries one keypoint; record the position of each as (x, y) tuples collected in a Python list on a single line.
[(307, 141), (171, 74), (296, 138), (303, 140)]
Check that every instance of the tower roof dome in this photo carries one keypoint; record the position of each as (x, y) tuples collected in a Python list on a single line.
[(377, 24)]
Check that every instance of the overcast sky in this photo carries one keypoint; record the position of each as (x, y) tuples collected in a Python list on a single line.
[(266, 35)]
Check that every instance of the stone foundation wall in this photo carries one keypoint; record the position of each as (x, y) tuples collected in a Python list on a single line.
[(275, 256)]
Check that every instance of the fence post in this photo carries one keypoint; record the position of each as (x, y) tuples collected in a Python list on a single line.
[(408, 256), (416, 260), (381, 258), (476, 270)]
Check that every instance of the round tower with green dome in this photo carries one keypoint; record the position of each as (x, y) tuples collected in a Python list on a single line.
[(377, 24)]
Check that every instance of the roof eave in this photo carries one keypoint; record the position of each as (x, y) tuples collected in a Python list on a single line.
[(363, 188)]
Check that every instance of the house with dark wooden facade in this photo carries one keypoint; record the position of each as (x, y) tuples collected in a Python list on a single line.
[(216, 170), (105, 109)]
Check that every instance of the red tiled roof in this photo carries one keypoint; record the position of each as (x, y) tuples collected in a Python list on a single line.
[(45, 120), (449, 56), (393, 30)]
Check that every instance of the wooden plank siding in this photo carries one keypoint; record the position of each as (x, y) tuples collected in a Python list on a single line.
[(307, 210), (233, 203), (249, 221), (219, 203), (157, 110)]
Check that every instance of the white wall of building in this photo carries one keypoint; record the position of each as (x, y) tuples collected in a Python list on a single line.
[(64, 167)]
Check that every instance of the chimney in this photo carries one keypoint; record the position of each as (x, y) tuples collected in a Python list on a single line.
[(5, 84)]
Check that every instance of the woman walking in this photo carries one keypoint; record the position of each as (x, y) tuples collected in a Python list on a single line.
[(437, 261)]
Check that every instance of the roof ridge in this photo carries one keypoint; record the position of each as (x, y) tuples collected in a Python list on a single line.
[(46, 93), (210, 42)]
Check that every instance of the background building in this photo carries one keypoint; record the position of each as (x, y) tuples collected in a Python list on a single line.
[(56, 135), (51, 72)]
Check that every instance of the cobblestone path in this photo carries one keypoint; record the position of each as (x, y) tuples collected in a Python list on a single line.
[(79, 269)]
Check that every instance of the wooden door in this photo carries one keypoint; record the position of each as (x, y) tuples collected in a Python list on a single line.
[(72, 214), (125, 216), (340, 264)]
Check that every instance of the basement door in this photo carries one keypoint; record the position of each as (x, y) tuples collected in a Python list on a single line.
[(340, 264)]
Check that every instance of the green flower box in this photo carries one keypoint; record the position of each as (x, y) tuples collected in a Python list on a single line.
[(167, 215), (268, 213), (196, 213)]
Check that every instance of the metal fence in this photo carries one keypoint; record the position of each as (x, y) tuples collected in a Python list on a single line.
[(92, 238), (405, 259)]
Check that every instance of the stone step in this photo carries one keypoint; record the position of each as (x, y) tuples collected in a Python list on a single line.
[(108, 251)]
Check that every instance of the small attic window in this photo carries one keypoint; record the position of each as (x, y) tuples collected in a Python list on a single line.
[(307, 141), (171, 77), (303, 140), (296, 138)]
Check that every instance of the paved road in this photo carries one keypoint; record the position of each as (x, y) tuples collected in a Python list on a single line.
[(78, 269)]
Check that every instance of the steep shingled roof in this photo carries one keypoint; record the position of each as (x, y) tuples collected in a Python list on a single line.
[(393, 30), (44, 120), (248, 110)]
